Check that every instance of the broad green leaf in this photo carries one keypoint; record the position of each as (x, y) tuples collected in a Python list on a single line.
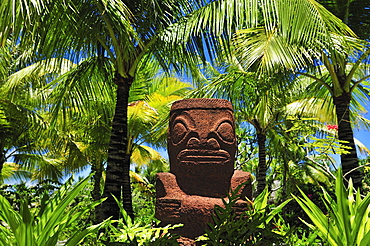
[(317, 216), (78, 236), (11, 217), (348, 222), (55, 212)]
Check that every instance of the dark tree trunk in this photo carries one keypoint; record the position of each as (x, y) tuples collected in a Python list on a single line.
[(2, 161), (262, 167), (349, 161), (285, 179), (117, 181), (97, 169)]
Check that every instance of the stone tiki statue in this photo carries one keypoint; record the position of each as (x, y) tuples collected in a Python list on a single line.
[(201, 147)]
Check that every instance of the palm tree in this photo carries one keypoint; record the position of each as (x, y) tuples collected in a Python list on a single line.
[(91, 104), (267, 48), (130, 33), (345, 78), (117, 32)]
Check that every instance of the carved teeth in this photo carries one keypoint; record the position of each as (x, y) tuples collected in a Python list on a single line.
[(195, 157)]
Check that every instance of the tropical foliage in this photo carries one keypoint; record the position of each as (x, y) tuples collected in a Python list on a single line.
[(346, 221), (253, 227), (267, 49), (86, 86), (45, 224)]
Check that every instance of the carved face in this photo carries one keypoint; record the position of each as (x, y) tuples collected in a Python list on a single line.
[(202, 138)]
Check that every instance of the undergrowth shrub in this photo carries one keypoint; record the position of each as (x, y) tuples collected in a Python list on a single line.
[(45, 224), (136, 232), (252, 227), (345, 221)]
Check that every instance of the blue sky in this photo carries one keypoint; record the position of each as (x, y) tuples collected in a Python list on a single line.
[(364, 137)]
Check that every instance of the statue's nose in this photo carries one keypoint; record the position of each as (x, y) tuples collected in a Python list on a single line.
[(195, 143)]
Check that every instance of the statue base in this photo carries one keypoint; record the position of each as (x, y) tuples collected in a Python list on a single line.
[(173, 206)]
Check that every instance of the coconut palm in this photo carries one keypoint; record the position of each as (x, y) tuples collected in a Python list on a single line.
[(345, 78), (126, 32), (91, 104), (267, 48)]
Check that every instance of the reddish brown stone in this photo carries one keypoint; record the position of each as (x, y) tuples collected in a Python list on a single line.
[(201, 146)]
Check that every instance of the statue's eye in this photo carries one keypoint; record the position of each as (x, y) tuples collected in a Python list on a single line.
[(179, 131), (226, 132)]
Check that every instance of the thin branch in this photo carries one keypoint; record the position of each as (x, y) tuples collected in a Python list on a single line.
[(138, 58), (115, 42), (106, 48), (323, 167), (354, 169), (333, 75)]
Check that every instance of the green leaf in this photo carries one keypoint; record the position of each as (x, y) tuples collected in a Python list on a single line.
[(343, 209), (25, 235), (78, 236), (54, 212), (276, 210), (348, 222), (317, 216), (7, 214)]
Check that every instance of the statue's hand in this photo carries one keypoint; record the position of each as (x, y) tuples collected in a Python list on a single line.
[(168, 208)]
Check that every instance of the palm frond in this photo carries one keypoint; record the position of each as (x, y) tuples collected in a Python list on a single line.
[(313, 108), (40, 166), (361, 147), (20, 17), (82, 90), (144, 155), (26, 85), (22, 126), (12, 171)]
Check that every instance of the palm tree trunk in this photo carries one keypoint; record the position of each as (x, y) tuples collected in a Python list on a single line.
[(97, 170), (2, 160), (117, 181), (262, 167), (349, 161)]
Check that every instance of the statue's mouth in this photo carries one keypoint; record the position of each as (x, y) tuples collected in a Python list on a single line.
[(199, 157)]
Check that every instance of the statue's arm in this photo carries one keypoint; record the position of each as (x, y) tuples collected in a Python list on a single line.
[(243, 179), (169, 197)]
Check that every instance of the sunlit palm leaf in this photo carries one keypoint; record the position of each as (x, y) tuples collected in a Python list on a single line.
[(35, 75), (144, 155), (13, 171), (293, 24), (18, 17), (141, 118), (313, 107)]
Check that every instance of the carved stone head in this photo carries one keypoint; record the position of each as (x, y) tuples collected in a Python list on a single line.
[(202, 145)]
